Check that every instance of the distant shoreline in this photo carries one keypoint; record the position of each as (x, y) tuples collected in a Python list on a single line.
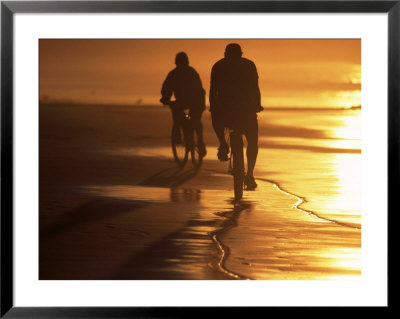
[(266, 108)]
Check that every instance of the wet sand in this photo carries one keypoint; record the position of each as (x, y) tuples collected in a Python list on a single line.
[(113, 205)]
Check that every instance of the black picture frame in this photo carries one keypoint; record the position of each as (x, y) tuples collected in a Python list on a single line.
[(9, 8)]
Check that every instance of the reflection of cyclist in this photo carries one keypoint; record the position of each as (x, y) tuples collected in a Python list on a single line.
[(184, 82), (234, 102)]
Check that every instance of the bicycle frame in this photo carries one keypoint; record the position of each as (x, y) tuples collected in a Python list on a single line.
[(183, 120)]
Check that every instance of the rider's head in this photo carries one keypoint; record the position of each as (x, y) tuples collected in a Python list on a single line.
[(233, 50), (181, 59)]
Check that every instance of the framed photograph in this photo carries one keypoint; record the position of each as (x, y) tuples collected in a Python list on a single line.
[(165, 157)]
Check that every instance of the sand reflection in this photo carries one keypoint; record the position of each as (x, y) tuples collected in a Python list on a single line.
[(125, 211), (146, 194)]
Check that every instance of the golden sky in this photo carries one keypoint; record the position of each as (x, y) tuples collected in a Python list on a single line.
[(292, 72)]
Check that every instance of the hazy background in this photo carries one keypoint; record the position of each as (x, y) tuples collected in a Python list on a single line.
[(292, 73), (114, 205)]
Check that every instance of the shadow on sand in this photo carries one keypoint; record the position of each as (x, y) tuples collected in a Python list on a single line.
[(192, 249), (97, 209), (187, 251), (170, 177)]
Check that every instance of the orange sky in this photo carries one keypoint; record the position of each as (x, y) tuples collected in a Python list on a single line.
[(305, 73)]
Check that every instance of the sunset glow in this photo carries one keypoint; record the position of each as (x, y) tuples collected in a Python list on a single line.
[(292, 73), (115, 203)]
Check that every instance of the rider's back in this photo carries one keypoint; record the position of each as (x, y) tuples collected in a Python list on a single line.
[(186, 85), (234, 86)]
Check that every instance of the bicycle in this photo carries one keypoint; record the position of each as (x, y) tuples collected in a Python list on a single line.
[(184, 139)]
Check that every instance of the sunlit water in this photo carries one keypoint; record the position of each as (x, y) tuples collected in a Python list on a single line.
[(268, 237), (314, 154), (323, 166), (303, 221)]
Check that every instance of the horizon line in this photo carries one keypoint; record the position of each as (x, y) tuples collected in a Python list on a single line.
[(276, 107)]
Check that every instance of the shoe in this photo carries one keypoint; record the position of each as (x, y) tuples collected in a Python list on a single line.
[(250, 183), (202, 150), (223, 152)]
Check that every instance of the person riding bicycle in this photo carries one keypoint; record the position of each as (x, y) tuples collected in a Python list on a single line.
[(235, 101), (185, 83)]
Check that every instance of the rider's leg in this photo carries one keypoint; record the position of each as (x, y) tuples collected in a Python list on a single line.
[(196, 120), (219, 128), (251, 133), (177, 117), (177, 114), (237, 150)]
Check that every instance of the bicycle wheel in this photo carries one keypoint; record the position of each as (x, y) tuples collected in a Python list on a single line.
[(238, 164), (179, 147), (197, 159), (238, 181)]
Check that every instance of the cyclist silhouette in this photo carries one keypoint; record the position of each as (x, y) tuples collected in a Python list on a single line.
[(235, 101), (184, 82)]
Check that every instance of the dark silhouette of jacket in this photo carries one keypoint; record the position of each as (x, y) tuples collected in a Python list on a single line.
[(184, 82), (234, 87)]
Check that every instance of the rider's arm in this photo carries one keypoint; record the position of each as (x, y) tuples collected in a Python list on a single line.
[(200, 90), (256, 92), (213, 90), (167, 89)]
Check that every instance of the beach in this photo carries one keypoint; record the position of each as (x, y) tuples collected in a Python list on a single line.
[(113, 204)]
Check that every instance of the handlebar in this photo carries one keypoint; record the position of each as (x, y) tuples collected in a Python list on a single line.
[(169, 103)]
